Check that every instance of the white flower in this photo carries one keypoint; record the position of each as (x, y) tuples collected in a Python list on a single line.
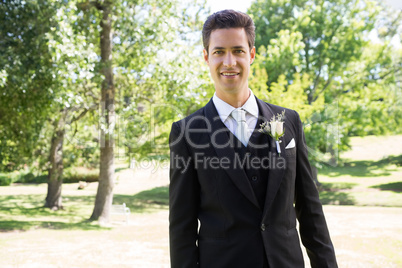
[(279, 128), (274, 128)]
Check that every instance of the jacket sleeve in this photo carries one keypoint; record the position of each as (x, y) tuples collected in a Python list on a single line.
[(183, 202), (313, 227)]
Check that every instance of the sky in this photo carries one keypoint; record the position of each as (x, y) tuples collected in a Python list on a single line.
[(243, 5), (239, 5)]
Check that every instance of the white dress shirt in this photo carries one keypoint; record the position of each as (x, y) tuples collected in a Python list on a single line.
[(224, 110)]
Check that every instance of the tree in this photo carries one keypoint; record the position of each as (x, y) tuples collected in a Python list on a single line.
[(26, 79), (151, 44), (60, 62), (74, 61), (150, 39), (104, 196), (159, 71), (322, 48)]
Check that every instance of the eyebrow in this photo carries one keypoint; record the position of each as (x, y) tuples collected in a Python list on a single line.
[(235, 47)]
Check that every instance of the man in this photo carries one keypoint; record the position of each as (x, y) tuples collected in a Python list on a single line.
[(235, 193)]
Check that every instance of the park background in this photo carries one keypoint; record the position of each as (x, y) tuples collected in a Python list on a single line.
[(89, 89)]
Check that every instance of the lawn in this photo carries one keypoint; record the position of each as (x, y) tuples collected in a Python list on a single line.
[(368, 175), (362, 197), (20, 211)]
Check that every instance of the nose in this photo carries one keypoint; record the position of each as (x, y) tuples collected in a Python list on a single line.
[(229, 60)]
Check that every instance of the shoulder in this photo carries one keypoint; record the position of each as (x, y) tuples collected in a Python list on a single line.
[(194, 119), (200, 119), (290, 115), (190, 128)]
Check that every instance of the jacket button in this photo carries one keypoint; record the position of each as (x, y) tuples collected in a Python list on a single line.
[(254, 178), (263, 227)]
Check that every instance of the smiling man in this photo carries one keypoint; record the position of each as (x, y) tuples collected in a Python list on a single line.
[(229, 56), (235, 201)]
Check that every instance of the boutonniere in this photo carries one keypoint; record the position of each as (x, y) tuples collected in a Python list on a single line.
[(274, 128)]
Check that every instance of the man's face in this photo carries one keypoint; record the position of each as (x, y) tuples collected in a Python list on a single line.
[(229, 58)]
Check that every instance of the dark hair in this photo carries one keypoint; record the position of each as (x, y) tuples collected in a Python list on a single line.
[(226, 19)]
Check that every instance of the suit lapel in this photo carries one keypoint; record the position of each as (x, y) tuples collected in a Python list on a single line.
[(277, 171), (223, 143)]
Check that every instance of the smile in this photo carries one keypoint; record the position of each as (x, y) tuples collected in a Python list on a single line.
[(229, 74)]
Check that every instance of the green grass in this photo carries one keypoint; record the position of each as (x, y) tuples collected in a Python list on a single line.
[(26, 211), (365, 168), (363, 183), (393, 186), (336, 198), (70, 175), (145, 201), (336, 186)]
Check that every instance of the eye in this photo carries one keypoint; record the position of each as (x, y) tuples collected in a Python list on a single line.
[(239, 51), (218, 52)]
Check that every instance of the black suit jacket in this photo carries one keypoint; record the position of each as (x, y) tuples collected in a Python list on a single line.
[(209, 185)]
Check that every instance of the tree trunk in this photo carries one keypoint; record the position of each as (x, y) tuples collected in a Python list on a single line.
[(333, 161), (315, 176), (55, 173), (104, 195), (53, 198)]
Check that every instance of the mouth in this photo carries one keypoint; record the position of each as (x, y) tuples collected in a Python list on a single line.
[(230, 74)]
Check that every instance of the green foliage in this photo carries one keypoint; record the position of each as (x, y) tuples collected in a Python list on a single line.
[(81, 147), (21, 176), (70, 175), (50, 53), (159, 77), (48, 61), (74, 175), (373, 95), (156, 77), (26, 80), (5, 180), (333, 61), (31, 178)]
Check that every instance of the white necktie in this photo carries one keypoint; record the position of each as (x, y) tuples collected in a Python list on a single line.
[(242, 129)]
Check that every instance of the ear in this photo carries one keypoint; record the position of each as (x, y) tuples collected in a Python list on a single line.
[(252, 55), (206, 56)]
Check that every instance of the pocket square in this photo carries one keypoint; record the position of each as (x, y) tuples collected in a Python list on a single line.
[(291, 144)]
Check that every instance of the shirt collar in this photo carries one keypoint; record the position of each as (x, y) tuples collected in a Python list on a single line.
[(251, 105), (224, 109)]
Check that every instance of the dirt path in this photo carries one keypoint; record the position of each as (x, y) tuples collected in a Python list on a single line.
[(366, 236)]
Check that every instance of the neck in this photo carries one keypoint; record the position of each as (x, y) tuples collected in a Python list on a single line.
[(235, 99)]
